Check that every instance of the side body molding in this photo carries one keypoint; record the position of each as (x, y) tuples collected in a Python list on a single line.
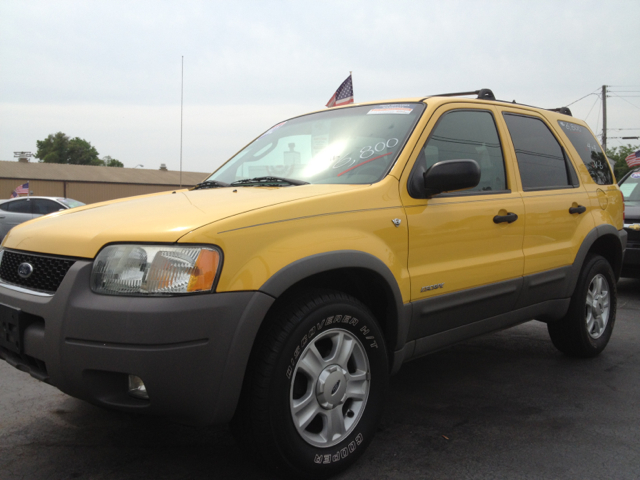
[(396, 327)]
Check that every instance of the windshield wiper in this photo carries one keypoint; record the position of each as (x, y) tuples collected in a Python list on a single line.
[(210, 184), (266, 181)]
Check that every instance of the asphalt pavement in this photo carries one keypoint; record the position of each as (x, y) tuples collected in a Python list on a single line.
[(505, 405)]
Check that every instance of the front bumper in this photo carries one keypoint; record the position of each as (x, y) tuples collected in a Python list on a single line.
[(190, 351)]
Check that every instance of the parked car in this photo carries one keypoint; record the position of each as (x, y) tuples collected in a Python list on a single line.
[(630, 186), (17, 210), (283, 291)]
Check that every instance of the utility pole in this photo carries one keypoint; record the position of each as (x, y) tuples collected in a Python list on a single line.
[(604, 117)]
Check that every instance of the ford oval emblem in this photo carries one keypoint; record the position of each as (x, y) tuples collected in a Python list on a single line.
[(25, 270)]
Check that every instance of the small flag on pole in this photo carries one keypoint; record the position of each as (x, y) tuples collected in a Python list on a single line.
[(633, 160), (24, 188), (344, 94)]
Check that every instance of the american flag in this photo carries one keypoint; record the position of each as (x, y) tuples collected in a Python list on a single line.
[(633, 160), (344, 94), (24, 188)]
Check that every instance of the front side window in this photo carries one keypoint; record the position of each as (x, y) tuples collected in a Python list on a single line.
[(540, 157), (351, 145), (590, 152), (41, 206), (464, 134)]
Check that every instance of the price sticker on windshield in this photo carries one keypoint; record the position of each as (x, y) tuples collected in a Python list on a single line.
[(391, 109)]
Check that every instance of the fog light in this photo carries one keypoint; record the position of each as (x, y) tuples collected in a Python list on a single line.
[(137, 388)]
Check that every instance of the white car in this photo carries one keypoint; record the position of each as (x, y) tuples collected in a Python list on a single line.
[(21, 209)]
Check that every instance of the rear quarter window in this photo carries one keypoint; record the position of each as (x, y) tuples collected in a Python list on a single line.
[(589, 150)]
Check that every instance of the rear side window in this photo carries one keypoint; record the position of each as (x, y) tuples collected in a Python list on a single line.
[(590, 152), (19, 206), (540, 157)]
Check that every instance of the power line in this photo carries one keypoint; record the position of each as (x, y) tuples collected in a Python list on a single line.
[(594, 104), (592, 93), (627, 101)]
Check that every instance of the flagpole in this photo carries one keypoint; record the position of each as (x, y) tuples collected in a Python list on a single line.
[(181, 108), (354, 95)]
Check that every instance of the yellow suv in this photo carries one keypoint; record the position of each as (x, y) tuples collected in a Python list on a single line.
[(283, 291)]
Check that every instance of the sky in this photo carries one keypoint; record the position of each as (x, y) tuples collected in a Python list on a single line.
[(113, 72)]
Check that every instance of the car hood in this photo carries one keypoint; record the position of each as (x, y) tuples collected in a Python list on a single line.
[(163, 217)]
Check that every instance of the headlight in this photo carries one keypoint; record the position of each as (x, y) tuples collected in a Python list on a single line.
[(154, 270)]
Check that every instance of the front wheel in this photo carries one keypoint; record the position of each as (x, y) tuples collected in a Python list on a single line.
[(315, 387), (586, 328)]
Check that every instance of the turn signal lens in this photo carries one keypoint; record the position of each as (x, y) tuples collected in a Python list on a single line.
[(204, 272)]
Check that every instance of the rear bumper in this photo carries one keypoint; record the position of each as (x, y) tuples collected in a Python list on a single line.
[(190, 351)]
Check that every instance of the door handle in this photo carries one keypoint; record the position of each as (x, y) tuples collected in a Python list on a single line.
[(579, 209), (509, 218)]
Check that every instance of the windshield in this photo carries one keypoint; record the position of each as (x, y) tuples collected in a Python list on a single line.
[(70, 202), (631, 187), (350, 145)]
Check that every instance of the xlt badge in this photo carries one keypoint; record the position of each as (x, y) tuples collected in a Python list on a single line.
[(432, 287)]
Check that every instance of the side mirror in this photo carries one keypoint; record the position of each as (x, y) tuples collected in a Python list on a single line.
[(451, 175)]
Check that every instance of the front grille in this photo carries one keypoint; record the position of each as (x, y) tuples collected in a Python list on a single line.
[(47, 275)]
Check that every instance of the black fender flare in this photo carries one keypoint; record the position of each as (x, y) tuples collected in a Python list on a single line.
[(588, 242), (303, 268)]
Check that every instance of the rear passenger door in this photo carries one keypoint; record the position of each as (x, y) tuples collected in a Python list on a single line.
[(556, 204), (456, 241)]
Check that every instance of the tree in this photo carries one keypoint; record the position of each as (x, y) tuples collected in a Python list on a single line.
[(58, 148), (53, 149), (618, 154), (81, 152), (107, 161)]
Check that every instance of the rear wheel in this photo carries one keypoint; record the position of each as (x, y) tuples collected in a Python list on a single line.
[(314, 391), (586, 328)]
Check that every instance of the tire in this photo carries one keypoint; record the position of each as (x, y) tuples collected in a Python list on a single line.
[(315, 386), (586, 328)]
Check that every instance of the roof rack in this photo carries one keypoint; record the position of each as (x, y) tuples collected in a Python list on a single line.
[(483, 94), (487, 94), (563, 110)]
